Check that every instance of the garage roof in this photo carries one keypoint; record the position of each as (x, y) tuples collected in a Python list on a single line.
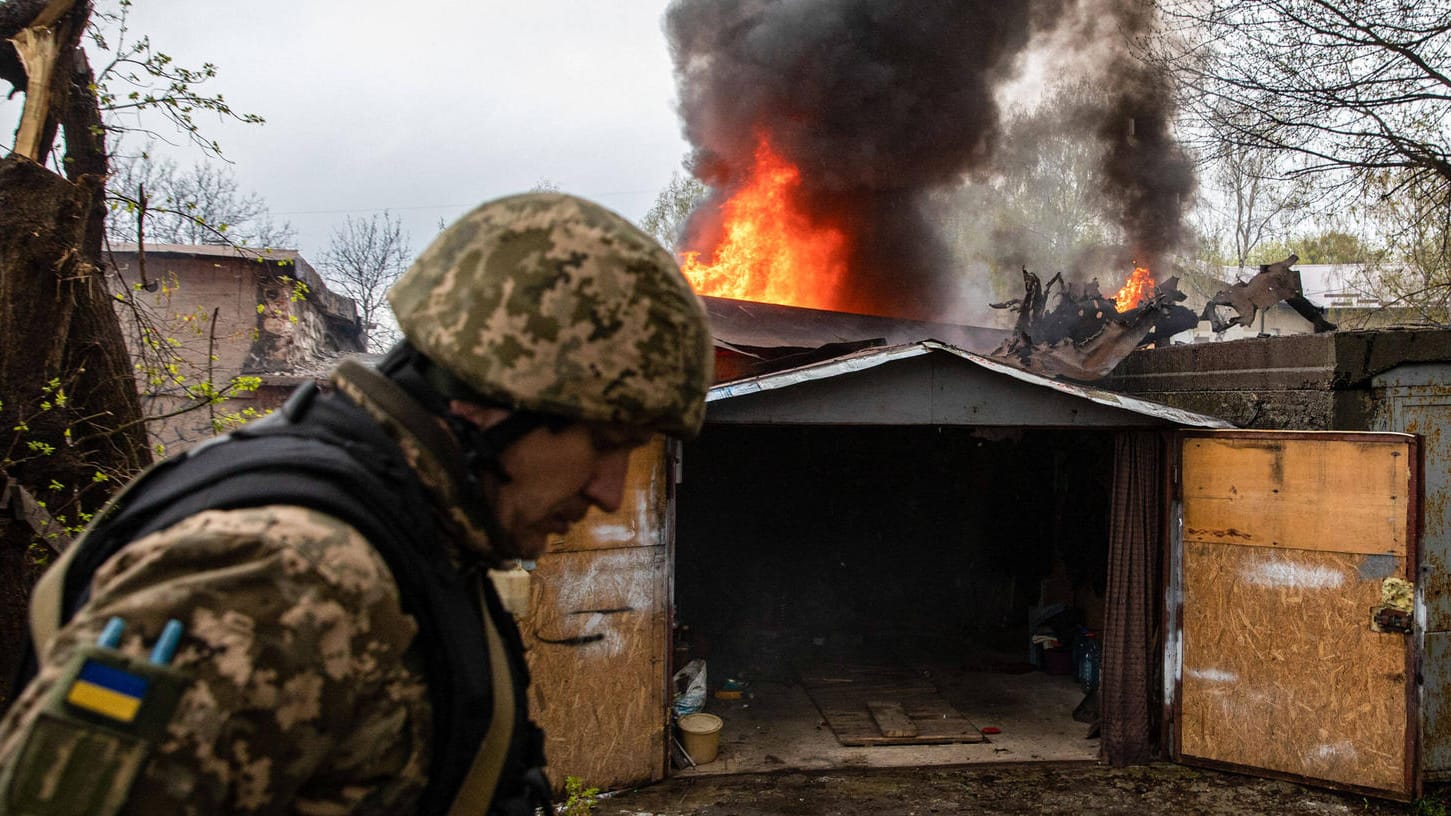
[(931, 383), (769, 325)]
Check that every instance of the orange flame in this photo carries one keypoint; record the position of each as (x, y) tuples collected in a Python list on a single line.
[(1140, 285), (770, 251)]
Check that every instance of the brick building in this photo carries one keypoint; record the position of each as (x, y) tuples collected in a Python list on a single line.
[(208, 314)]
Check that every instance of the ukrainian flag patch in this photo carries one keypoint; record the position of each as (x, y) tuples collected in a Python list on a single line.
[(108, 691)]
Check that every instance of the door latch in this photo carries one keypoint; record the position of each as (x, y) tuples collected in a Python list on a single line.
[(1397, 599), (1390, 619)]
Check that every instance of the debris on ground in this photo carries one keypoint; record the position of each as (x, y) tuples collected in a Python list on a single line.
[(1025, 788)]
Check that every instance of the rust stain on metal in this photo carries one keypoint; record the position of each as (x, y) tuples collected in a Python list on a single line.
[(1434, 505), (1436, 589), (1435, 687), (1388, 620)]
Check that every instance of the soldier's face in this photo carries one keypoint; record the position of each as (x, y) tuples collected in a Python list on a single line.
[(555, 477)]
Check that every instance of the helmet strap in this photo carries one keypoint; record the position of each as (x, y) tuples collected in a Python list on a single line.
[(483, 447), (404, 365), (434, 387)]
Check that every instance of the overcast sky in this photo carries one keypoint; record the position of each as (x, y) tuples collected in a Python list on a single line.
[(428, 107)]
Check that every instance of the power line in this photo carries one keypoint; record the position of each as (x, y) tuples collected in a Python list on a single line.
[(374, 209), (441, 206)]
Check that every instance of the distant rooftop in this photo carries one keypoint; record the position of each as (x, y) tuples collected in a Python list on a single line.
[(319, 292), (1335, 285)]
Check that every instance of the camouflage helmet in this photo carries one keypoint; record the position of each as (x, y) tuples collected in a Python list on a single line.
[(550, 303)]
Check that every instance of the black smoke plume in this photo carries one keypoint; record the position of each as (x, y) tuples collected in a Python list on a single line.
[(1148, 178), (880, 102)]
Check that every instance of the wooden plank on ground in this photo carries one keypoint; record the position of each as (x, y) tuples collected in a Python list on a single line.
[(891, 719), (843, 696)]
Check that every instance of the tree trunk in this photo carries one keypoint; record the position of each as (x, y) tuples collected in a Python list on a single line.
[(14, 578), (68, 407), (58, 335), (58, 330), (21, 563)]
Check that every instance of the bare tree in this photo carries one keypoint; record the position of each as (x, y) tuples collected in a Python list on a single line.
[(1414, 270), (364, 259), (1353, 92), (151, 199), (1047, 189), (672, 208), (67, 386), (1042, 204), (1358, 85), (1251, 200)]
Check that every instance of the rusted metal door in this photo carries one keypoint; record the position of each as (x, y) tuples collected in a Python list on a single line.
[(1417, 399), (1295, 607)]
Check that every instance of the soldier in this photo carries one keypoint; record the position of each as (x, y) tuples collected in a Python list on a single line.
[(309, 588)]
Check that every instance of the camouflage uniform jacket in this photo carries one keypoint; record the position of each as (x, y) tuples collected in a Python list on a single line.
[(304, 697)]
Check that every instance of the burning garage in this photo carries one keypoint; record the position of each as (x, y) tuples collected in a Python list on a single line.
[(896, 533), (892, 526), (863, 549), (886, 521)]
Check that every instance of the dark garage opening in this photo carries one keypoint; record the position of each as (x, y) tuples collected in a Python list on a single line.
[(809, 559)]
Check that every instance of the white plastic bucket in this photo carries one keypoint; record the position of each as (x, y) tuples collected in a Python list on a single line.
[(700, 735)]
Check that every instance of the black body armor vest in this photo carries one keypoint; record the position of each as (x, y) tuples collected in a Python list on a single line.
[(323, 452)]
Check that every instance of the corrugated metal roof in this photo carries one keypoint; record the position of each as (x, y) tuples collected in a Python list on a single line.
[(873, 357), (211, 251), (768, 325)]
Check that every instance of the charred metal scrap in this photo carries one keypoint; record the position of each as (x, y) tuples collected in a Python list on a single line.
[(1273, 283), (1083, 336)]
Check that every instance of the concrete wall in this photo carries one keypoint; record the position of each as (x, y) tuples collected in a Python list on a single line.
[(1275, 382), (1300, 382)]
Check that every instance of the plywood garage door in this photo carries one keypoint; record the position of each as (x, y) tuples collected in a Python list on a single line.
[(597, 635), (1289, 543)]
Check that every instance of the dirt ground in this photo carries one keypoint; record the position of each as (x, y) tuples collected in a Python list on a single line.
[(1038, 788)]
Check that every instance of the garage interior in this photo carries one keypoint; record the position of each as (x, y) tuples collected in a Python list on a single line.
[(904, 559)]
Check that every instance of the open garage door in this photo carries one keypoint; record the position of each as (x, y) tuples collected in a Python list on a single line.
[(878, 589), (1295, 566)]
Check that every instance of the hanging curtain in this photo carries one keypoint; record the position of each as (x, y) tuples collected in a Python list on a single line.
[(1131, 687)]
